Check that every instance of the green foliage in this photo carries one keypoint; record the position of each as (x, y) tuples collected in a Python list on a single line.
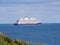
[(4, 40)]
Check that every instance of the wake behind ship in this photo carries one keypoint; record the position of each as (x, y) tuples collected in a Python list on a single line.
[(27, 21)]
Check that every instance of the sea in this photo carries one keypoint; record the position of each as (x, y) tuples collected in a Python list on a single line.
[(47, 33)]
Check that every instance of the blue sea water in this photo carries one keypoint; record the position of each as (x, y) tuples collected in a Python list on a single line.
[(48, 34)]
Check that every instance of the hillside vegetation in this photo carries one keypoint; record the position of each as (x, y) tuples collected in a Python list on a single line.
[(4, 40)]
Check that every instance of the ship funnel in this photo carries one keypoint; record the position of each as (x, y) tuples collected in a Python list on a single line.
[(26, 18)]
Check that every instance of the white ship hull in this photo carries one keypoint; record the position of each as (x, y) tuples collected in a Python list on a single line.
[(28, 24)]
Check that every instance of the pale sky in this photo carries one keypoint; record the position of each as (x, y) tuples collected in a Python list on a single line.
[(48, 11)]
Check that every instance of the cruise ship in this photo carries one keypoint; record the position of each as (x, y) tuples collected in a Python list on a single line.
[(27, 21)]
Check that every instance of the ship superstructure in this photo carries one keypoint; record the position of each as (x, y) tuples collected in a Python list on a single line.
[(27, 20)]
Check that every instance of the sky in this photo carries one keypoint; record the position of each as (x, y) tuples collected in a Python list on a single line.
[(47, 11)]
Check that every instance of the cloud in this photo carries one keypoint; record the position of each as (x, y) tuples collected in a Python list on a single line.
[(20, 0), (55, 3), (12, 12), (2, 18), (53, 6), (10, 2)]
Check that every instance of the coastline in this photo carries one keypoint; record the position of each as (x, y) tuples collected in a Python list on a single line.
[(5, 40)]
